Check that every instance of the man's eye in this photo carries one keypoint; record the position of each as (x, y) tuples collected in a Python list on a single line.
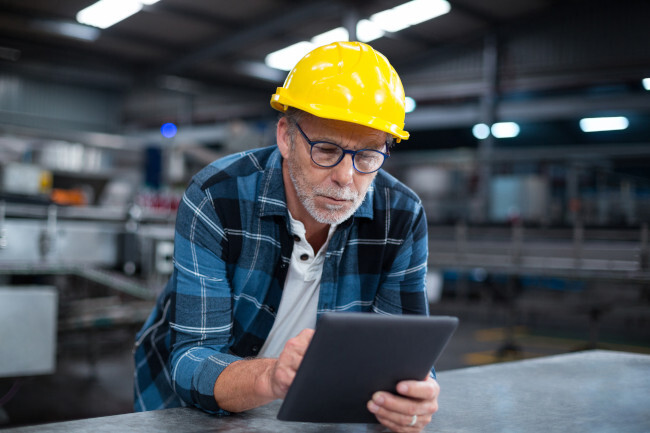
[(368, 156), (328, 148)]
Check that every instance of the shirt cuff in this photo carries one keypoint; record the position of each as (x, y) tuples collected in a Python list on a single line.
[(204, 379)]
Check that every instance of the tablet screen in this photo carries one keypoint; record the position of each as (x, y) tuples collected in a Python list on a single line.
[(353, 355)]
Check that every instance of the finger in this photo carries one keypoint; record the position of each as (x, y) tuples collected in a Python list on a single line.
[(426, 390), (307, 333), (398, 422), (299, 343), (284, 377), (304, 338), (399, 428), (292, 354), (404, 406), (289, 360), (401, 418)]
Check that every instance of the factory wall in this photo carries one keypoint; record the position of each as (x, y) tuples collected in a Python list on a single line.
[(546, 233)]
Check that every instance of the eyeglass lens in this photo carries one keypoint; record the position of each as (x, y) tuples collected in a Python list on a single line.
[(328, 155)]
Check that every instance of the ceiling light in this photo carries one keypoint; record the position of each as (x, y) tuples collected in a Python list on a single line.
[(335, 35), (505, 129), (391, 20), (368, 31), (409, 14), (409, 104), (646, 83), (69, 29), (599, 124), (481, 131), (105, 13), (286, 58)]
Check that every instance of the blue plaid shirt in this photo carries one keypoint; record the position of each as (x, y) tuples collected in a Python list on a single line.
[(233, 244)]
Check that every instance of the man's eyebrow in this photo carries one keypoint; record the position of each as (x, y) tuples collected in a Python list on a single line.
[(364, 145)]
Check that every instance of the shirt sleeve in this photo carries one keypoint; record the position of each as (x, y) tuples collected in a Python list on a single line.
[(403, 290), (201, 312)]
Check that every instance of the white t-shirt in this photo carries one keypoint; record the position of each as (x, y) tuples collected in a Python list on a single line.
[(299, 302)]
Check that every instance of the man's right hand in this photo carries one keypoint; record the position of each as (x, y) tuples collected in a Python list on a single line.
[(288, 362), (250, 383)]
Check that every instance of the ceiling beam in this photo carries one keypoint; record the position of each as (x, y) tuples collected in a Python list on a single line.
[(502, 28), (474, 13)]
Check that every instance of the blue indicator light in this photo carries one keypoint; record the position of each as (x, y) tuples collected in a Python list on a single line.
[(168, 130)]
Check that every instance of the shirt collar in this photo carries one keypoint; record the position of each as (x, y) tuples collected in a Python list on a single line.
[(271, 199)]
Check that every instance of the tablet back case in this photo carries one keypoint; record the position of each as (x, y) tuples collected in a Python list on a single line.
[(352, 355)]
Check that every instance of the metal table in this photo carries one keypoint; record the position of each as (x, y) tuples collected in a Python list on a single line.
[(592, 391)]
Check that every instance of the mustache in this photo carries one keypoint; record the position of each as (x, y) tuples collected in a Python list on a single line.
[(337, 193)]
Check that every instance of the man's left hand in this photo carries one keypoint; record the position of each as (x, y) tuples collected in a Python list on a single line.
[(411, 410)]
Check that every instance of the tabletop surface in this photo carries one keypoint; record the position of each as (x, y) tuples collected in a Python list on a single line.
[(591, 391)]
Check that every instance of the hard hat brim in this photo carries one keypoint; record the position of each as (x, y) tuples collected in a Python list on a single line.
[(281, 102)]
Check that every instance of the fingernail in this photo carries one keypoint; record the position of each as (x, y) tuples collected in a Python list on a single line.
[(372, 407), (402, 387), (378, 398)]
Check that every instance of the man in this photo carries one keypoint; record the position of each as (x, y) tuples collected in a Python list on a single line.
[(268, 239)]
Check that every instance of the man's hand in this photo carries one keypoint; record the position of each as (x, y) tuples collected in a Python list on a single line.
[(411, 410), (288, 362), (250, 383)]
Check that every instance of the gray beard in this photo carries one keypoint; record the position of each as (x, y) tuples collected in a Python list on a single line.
[(332, 215)]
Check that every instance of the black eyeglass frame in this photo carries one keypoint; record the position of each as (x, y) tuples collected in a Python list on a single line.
[(344, 152)]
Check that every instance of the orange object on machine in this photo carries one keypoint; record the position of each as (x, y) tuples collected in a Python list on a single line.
[(70, 197)]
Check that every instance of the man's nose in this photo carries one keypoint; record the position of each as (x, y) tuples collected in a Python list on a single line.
[(343, 172)]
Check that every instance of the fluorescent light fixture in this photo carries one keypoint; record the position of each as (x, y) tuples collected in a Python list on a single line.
[(505, 129), (481, 131), (286, 58), (409, 104), (334, 35), (68, 29), (646, 83), (368, 31), (409, 14), (391, 20), (105, 13), (599, 124)]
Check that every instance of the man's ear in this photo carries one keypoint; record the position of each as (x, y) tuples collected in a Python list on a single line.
[(282, 137)]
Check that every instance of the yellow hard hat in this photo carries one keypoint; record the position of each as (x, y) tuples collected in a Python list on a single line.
[(347, 81)]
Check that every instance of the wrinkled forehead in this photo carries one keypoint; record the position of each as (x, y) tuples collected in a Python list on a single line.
[(346, 134)]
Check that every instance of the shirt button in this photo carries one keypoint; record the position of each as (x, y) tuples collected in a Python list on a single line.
[(296, 238), (255, 349), (304, 257)]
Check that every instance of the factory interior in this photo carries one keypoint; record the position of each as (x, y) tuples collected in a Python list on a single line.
[(529, 147)]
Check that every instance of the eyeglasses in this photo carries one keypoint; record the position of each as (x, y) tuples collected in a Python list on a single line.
[(326, 154)]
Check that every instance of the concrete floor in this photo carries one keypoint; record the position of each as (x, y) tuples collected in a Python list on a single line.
[(94, 373)]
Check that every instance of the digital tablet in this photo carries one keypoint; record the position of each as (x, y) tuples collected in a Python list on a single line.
[(353, 355)]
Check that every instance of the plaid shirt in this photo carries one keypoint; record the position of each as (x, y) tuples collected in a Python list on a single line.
[(233, 244)]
